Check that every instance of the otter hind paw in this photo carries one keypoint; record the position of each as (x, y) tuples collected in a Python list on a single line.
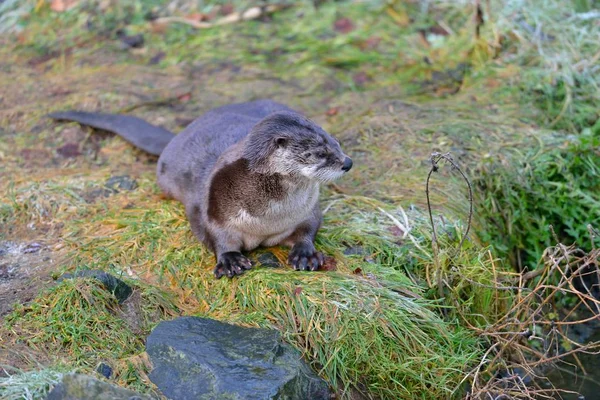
[(304, 257), (231, 264)]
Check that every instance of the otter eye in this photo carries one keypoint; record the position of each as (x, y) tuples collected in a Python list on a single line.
[(280, 141)]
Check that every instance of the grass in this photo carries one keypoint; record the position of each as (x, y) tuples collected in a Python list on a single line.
[(414, 311), (322, 314), (558, 43), (29, 385), (79, 316)]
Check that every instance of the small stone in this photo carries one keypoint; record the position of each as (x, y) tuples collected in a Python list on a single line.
[(130, 41), (119, 289), (369, 259), (5, 271), (269, 260), (32, 248), (181, 121), (90, 196), (84, 387), (355, 251), (158, 57), (105, 370), (120, 182)]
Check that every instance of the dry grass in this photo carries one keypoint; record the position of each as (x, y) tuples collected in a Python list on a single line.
[(533, 338)]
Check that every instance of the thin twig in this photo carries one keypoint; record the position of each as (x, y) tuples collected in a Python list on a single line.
[(435, 159)]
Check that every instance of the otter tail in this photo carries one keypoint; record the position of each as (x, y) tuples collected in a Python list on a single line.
[(152, 139)]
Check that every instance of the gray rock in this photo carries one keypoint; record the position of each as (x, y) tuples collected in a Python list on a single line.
[(105, 370), (355, 250), (112, 186), (120, 289), (269, 260), (124, 182), (83, 387), (198, 358)]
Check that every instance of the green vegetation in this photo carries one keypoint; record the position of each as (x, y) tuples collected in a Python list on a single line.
[(523, 194), (394, 81), (323, 314), (82, 321)]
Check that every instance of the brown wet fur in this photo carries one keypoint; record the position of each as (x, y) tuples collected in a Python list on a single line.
[(237, 184)]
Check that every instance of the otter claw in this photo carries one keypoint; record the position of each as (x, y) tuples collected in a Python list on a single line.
[(231, 264), (303, 257)]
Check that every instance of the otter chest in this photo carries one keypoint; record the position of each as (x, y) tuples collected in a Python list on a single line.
[(277, 220)]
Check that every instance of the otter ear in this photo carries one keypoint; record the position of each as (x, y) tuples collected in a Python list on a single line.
[(280, 141)]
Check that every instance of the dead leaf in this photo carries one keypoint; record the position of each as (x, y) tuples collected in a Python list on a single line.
[(357, 271), (297, 291), (185, 97), (394, 230), (332, 111), (438, 30), (494, 83), (370, 44), (343, 25), (330, 264), (62, 5), (199, 17), (158, 27)]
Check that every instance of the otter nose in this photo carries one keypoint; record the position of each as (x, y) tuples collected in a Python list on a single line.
[(347, 164)]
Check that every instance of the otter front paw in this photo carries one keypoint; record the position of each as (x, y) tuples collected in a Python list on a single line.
[(230, 264), (304, 257)]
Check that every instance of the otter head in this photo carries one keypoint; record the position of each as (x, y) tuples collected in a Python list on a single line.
[(289, 144)]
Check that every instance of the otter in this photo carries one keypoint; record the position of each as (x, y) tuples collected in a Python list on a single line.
[(248, 175)]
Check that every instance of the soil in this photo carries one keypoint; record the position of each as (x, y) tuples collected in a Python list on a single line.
[(25, 268)]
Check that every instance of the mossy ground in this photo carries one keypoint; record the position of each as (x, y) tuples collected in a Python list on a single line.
[(389, 96)]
